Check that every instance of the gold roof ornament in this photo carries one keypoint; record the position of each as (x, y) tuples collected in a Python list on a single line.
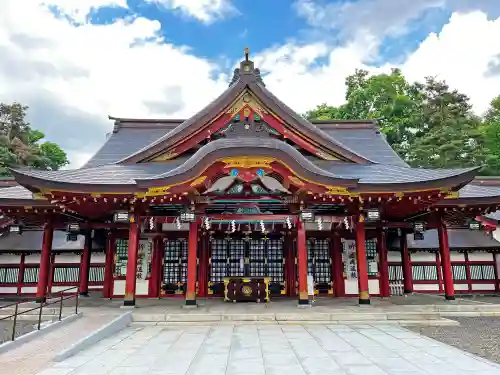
[(247, 53)]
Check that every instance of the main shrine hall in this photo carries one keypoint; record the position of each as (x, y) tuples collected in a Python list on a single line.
[(246, 200)]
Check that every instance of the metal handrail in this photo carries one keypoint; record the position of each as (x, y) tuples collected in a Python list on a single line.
[(42, 304)]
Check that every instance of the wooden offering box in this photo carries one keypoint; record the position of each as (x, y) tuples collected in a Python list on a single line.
[(246, 289)]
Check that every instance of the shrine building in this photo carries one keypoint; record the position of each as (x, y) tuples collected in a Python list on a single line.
[(247, 200)]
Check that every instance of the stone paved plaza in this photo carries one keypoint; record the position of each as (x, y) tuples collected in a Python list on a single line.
[(272, 350)]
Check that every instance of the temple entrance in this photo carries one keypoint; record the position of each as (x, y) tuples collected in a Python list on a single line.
[(238, 255), (174, 275), (319, 265)]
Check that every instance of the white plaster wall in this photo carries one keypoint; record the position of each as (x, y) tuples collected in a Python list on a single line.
[(394, 256), (28, 289), (423, 257), (67, 258), (480, 256), (483, 286), (119, 287), (32, 258), (425, 287), (141, 287), (457, 257), (374, 286), (98, 258), (351, 286), (8, 290), (461, 286), (10, 259)]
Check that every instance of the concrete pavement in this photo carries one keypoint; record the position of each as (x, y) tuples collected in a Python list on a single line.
[(271, 350)]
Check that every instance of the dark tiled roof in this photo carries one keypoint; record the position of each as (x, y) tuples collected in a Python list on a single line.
[(119, 174), (476, 191), (366, 141), (390, 174), (15, 192), (124, 142), (32, 241), (457, 238), (257, 144), (125, 174)]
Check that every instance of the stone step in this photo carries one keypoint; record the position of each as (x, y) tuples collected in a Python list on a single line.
[(285, 317), (425, 322)]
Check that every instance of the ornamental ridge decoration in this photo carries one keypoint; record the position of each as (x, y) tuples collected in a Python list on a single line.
[(248, 162)]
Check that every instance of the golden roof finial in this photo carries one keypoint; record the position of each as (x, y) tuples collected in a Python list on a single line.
[(247, 53)]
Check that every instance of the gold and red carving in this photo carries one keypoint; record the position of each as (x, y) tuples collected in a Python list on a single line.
[(247, 162), (162, 190), (336, 190), (247, 100), (198, 181)]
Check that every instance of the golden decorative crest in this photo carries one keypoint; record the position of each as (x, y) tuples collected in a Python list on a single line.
[(198, 181), (249, 101), (163, 190), (296, 181), (337, 190), (452, 195), (247, 162), (246, 290)]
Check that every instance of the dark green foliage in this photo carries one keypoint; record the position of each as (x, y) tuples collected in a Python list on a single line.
[(20, 144), (428, 124)]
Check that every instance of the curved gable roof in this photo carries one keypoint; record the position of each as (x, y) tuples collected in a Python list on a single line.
[(244, 79)]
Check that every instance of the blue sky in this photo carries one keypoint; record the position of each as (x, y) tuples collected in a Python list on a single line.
[(262, 24), (74, 62)]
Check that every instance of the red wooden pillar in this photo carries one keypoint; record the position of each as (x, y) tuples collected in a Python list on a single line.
[(133, 248), (203, 266), (444, 250), (302, 263), (155, 279), (52, 269), (44, 273), (383, 263), (192, 262), (338, 269), (291, 276), (85, 264), (108, 267), (20, 276), (405, 258), (364, 294)]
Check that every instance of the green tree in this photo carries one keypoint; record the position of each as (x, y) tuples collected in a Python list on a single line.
[(387, 98), (20, 144), (491, 131), (448, 133)]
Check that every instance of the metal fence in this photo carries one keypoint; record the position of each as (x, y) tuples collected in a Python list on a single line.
[(63, 295)]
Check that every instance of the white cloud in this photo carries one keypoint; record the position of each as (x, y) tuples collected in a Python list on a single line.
[(73, 77), (465, 54), (206, 11), (461, 54), (78, 10)]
